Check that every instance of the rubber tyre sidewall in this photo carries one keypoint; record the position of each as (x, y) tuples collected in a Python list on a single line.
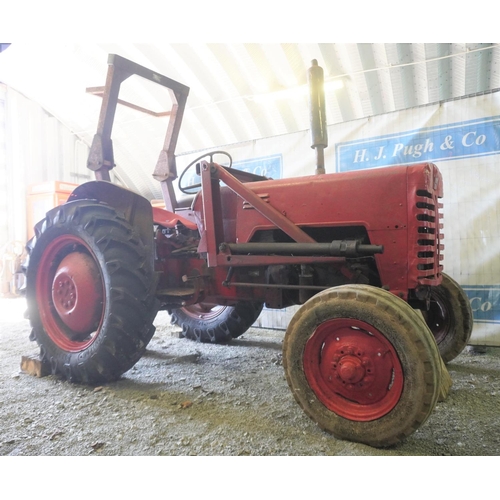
[(230, 323), (404, 328), (129, 310), (460, 321)]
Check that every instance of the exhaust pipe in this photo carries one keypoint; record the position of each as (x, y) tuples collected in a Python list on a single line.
[(319, 136)]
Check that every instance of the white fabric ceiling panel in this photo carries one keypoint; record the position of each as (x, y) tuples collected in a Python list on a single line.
[(237, 91)]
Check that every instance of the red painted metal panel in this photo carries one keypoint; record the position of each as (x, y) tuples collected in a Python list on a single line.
[(166, 218), (390, 203)]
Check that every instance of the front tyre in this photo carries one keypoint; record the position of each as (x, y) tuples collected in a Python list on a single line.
[(90, 293), (362, 364), (449, 318), (209, 323)]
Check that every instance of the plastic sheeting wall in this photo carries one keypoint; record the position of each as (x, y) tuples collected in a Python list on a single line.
[(3, 167), (34, 147), (463, 138)]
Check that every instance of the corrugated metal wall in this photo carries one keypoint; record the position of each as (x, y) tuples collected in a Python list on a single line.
[(34, 147)]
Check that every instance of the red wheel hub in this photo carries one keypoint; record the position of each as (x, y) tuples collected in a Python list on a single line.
[(70, 293), (353, 369), (77, 292)]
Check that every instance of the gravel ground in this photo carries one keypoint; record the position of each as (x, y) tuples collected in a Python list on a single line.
[(184, 398)]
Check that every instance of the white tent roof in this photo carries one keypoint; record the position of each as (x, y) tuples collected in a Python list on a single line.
[(237, 90)]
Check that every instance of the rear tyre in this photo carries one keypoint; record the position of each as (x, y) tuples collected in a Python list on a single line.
[(215, 324), (90, 293), (449, 318), (362, 364)]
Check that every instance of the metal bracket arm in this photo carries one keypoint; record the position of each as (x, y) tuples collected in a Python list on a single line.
[(265, 209), (101, 159)]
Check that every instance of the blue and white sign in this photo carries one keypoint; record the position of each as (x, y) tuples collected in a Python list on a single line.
[(446, 142), (485, 302), (268, 166)]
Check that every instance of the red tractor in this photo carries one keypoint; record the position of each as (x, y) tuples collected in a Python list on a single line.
[(360, 251)]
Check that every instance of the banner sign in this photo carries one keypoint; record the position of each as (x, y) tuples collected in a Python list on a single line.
[(445, 142), (485, 302), (268, 166)]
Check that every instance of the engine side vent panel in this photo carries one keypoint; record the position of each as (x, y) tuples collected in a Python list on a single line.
[(429, 248)]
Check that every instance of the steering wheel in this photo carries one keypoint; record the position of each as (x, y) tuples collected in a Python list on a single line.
[(188, 189)]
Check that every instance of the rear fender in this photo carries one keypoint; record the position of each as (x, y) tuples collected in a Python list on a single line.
[(134, 207)]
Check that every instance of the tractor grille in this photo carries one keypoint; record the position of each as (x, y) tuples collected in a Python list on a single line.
[(429, 239)]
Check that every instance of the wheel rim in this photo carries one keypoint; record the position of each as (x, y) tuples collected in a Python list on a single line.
[(204, 311), (438, 319), (70, 293), (353, 369)]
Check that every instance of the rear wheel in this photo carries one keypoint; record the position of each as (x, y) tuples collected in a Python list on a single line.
[(362, 364), (449, 318), (90, 293), (209, 323)]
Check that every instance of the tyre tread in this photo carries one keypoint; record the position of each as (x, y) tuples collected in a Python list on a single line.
[(405, 315), (132, 305), (230, 324)]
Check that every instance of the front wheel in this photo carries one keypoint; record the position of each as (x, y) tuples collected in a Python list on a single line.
[(362, 364), (209, 323), (90, 293), (449, 318)]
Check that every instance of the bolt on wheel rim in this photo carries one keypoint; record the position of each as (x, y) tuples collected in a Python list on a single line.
[(353, 369), (438, 319), (70, 293), (204, 311)]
